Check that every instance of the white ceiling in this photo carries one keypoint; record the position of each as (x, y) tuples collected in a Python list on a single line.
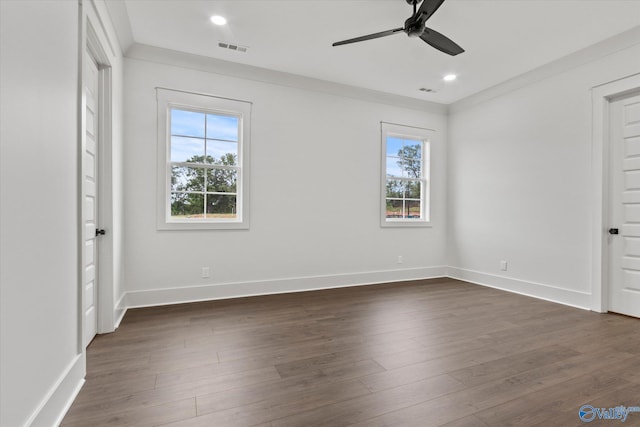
[(502, 38)]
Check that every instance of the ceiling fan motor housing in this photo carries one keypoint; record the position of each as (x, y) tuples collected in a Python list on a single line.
[(414, 26)]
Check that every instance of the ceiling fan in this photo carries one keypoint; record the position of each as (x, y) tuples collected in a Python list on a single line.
[(414, 26)]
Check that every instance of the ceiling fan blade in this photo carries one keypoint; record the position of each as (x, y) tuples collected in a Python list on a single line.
[(428, 8), (441, 42), (369, 37)]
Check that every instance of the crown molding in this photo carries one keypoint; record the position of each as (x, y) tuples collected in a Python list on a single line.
[(591, 53), (264, 75)]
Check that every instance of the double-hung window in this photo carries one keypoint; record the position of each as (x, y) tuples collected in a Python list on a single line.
[(405, 184), (203, 153)]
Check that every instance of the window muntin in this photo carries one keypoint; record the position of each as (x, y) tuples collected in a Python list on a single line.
[(404, 178), (405, 173), (203, 166), (203, 158)]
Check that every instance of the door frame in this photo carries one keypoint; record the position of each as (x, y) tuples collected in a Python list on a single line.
[(95, 41), (602, 95)]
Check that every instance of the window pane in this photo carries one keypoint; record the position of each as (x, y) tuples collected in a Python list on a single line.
[(222, 127), (394, 166), (395, 189), (221, 206), (413, 190), (394, 209), (185, 178), (222, 152), (412, 149), (412, 168), (187, 149), (412, 209), (187, 205), (187, 123), (222, 180), (394, 146)]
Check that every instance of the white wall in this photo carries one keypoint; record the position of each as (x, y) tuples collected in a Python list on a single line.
[(41, 363), (520, 183), (38, 216), (315, 195)]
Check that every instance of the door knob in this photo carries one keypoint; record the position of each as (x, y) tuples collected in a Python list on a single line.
[(613, 231), (101, 232)]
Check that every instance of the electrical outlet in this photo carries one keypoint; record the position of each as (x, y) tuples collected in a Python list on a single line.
[(400, 260), (503, 265), (206, 272)]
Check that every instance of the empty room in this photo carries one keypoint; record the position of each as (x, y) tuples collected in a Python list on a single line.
[(319, 213)]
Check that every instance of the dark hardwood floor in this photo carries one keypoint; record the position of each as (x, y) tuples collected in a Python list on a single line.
[(422, 353)]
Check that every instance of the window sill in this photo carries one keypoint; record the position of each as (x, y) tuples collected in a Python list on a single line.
[(177, 226), (405, 224)]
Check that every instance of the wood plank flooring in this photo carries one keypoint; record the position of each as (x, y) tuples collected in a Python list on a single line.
[(423, 353)]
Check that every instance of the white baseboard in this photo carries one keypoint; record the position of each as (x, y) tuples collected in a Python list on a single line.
[(157, 297), (536, 290), (57, 402)]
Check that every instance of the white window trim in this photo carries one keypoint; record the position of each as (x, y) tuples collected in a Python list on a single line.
[(167, 99), (410, 132)]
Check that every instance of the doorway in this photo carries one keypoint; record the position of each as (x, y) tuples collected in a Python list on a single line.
[(91, 161), (603, 177), (96, 302), (624, 205)]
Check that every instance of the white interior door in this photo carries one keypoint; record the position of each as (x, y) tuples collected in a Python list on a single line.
[(624, 247), (91, 94)]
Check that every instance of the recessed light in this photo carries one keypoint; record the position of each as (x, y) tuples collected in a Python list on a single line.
[(449, 77), (218, 20)]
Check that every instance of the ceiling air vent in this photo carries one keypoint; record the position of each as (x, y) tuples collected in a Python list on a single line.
[(231, 46)]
